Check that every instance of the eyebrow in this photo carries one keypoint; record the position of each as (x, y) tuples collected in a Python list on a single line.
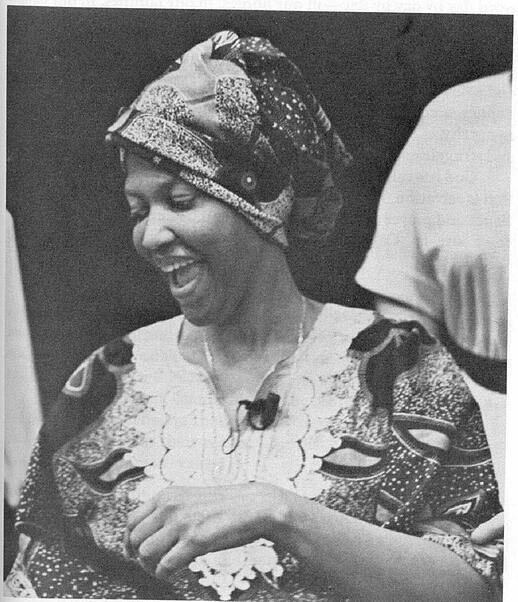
[(168, 187), (133, 193), (130, 190)]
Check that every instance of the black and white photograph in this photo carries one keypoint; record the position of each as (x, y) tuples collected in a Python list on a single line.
[(257, 274)]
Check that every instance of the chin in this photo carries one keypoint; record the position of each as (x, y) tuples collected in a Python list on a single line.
[(211, 314), (197, 315), (195, 319)]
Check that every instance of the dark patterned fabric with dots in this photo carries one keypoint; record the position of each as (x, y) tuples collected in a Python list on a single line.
[(239, 121), (411, 456)]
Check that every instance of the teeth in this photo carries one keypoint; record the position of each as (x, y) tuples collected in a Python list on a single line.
[(176, 265)]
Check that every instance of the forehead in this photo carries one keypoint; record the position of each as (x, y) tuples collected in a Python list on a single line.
[(147, 183), (144, 176)]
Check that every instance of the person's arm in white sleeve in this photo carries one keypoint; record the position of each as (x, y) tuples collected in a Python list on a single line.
[(397, 268)]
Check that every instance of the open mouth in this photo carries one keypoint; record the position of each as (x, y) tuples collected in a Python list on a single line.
[(185, 274), (181, 273)]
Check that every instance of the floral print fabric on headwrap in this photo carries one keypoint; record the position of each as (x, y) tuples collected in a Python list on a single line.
[(235, 118)]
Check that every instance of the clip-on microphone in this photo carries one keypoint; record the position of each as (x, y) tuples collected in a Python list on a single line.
[(261, 411)]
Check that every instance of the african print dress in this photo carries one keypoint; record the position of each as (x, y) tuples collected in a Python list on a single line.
[(375, 421)]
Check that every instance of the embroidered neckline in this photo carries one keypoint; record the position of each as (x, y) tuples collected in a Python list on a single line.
[(184, 420)]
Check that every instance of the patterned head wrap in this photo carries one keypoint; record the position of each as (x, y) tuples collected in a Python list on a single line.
[(235, 118)]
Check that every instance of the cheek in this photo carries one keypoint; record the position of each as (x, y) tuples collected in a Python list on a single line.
[(238, 260)]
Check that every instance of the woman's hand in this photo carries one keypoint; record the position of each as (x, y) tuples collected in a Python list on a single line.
[(179, 523), (489, 531)]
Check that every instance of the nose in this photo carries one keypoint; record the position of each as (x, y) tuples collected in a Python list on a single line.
[(158, 231)]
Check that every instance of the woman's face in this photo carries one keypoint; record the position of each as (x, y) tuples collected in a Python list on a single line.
[(207, 253)]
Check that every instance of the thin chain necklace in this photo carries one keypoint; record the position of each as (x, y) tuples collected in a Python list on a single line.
[(209, 358)]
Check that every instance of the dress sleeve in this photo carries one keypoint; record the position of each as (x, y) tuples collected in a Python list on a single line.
[(397, 266), (440, 483), (46, 565)]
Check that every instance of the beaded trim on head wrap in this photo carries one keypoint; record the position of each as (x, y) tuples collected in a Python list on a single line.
[(235, 118)]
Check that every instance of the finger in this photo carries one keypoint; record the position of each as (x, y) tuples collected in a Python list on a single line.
[(490, 530), (150, 525), (158, 545), (140, 513), (182, 554), (149, 567), (130, 553)]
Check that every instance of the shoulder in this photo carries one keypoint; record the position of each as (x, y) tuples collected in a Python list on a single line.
[(156, 332), (368, 332), (118, 355), (335, 328), (97, 382), (382, 330), (402, 367), (475, 104), (340, 319), (477, 91), (368, 329), (409, 367)]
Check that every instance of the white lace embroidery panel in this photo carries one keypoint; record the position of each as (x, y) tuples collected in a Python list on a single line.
[(184, 426)]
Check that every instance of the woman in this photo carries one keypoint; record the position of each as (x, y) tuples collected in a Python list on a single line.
[(261, 446)]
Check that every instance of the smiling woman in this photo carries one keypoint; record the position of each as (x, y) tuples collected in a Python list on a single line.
[(261, 445), (207, 252)]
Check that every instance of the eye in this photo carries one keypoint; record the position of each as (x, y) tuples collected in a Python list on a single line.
[(137, 214), (181, 201)]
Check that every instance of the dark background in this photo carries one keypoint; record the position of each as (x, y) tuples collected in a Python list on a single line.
[(69, 71)]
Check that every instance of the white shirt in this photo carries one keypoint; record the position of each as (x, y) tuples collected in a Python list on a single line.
[(441, 243)]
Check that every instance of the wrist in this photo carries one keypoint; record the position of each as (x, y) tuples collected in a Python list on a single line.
[(279, 512)]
